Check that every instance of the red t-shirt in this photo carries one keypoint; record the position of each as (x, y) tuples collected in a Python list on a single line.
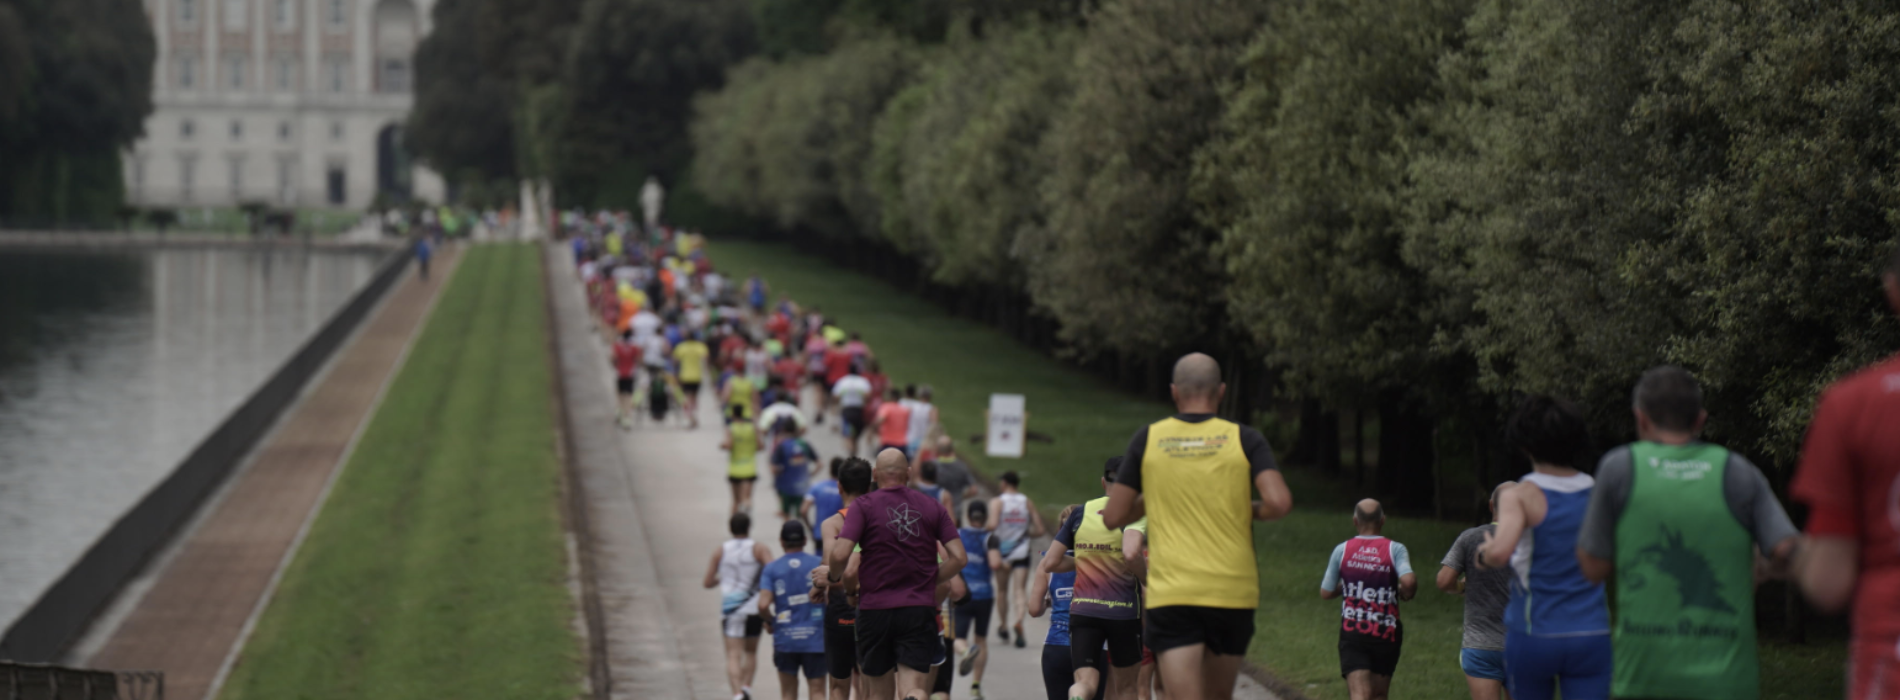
[(896, 428), (789, 372), (837, 365), (1850, 479), (732, 348), (780, 327), (626, 357)]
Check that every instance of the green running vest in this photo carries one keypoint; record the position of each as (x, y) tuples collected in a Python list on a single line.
[(1685, 586)]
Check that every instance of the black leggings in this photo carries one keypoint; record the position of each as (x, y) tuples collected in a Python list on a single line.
[(1058, 673)]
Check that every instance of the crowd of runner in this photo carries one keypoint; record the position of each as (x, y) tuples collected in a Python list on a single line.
[(1151, 588)]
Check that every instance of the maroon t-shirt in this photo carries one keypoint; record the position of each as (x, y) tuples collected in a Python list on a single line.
[(899, 530)]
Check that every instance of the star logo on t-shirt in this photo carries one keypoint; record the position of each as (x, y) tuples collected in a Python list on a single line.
[(903, 522)]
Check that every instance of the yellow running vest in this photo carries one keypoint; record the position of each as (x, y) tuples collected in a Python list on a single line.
[(1198, 489)]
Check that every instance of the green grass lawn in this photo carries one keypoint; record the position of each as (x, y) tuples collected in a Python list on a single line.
[(437, 566), (1091, 420)]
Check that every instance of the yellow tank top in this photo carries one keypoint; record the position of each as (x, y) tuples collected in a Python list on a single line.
[(1197, 486), (745, 450)]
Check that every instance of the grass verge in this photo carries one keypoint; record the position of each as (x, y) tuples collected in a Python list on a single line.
[(436, 568), (964, 362)]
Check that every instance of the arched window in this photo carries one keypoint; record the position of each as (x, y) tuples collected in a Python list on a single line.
[(187, 72), (234, 68), (338, 12), (187, 12), (284, 13), (396, 25)]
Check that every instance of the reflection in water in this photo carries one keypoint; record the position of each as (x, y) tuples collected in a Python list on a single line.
[(113, 366)]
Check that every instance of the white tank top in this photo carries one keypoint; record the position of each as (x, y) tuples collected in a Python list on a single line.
[(1012, 519), (738, 576)]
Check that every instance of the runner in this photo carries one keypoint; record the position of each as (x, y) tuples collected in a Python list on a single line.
[(735, 571), (1106, 609), (741, 394), (1850, 480), (926, 484), (1670, 507), (841, 608), (954, 476), (1485, 591), (823, 499), (758, 362), (1058, 658), (1556, 626), (1192, 475), (897, 624), (815, 367), (852, 390), (742, 466), (756, 293), (626, 359), (691, 356), (797, 623), (1377, 574), (1016, 522), (892, 424), (923, 420), (792, 462), (986, 558)]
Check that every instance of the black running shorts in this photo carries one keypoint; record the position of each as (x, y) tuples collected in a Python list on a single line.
[(947, 671), (790, 663), (1364, 652), (895, 636), (977, 613), (1058, 673), (689, 389), (1087, 635), (624, 385), (841, 640), (1225, 631)]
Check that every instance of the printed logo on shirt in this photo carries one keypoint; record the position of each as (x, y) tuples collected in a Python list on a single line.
[(1695, 579), (1193, 446), (904, 522), (1680, 470)]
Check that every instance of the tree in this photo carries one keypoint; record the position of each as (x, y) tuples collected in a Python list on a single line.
[(1122, 263), (461, 123), (1776, 118), (629, 82)]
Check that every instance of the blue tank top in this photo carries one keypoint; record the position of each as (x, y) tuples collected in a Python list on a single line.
[(1061, 590), (1549, 595), (976, 574)]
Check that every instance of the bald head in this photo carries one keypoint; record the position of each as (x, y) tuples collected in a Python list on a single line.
[(893, 469), (1197, 387), (1368, 511)]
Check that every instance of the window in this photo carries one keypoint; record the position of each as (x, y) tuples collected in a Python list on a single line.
[(234, 71), (286, 74), (237, 130), (187, 172), (237, 178), (138, 176), (334, 179), (339, 71), (185, 128), (395, 75), (336, 131), (187, 72), (283, 131), (187, 12), (234, 15), (284, 13), (339, 12)]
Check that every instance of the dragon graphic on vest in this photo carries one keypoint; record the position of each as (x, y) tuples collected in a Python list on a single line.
[(1695, 579)]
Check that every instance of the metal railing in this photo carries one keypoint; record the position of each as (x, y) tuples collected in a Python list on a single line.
[(40, 682)]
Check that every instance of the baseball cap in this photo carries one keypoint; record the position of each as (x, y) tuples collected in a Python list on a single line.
[(792, 532)]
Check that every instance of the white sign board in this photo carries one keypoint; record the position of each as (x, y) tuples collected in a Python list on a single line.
[(1008, 420)]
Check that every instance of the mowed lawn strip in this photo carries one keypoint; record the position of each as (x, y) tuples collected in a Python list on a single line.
[(437, 566), (1296, 633)]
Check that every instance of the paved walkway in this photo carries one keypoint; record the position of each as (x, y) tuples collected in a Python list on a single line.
[(201, 603), (659, 511)]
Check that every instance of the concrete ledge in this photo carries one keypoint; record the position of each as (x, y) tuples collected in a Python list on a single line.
[(64, 611), (635, 630), (142, 240)]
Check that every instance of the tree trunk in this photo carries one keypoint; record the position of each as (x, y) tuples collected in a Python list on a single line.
[(1405, 453)]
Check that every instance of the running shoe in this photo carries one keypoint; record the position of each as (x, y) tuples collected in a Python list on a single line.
[(976, 692), (968, 662), (1019, 637), (1003, 633)]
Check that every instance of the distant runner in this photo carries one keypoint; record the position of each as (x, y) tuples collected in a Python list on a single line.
[(852, 391), (742, 466), (954, 476), (691, 356), (1557, 625), (797, 622), (1850, 479), (793, 460), (1485, 591), (1376, 574), (1670, 507), (973, 614), (892, 424), (735, 572), (626, 365), (1193, 477), (1016, 522)]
